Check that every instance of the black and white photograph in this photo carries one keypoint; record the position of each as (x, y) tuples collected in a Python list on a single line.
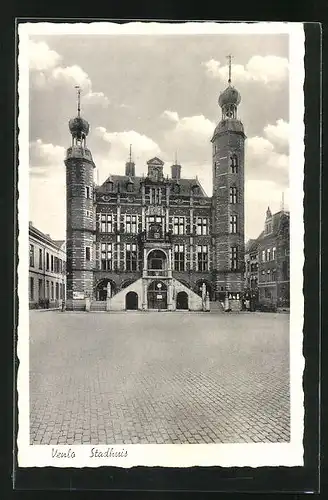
[(160, 244)]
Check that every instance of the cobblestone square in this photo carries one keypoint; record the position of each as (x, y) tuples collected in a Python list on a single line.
[(120, 378)]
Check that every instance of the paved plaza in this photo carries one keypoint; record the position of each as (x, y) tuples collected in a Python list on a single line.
[(134, 377)]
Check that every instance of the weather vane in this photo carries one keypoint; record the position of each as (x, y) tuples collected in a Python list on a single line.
[(229, 57), (78, 99)]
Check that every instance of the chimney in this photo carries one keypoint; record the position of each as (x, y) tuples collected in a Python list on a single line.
[(176, 172)]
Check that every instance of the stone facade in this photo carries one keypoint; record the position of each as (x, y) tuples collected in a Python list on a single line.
[(47, 270), (135, 233)]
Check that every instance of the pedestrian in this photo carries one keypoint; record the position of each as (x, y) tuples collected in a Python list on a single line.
[(247, 304)]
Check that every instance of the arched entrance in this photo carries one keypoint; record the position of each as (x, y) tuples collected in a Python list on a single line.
[(156, 262), (131, 301), (157, 295), (103, 287), (182, 300)]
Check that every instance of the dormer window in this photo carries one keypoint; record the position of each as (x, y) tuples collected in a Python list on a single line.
[(195, 190), (234, 164), (129, 187), (109, 186), (176, 188)]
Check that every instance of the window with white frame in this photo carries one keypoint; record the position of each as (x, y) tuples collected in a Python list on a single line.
[(178, 225), (263, 255), (233, 258), (202, 226), (106, 257), (233, 224), (179, 258), (106, 223), (274, 253), (234, 164), (131, 257), (131, 224), (88, 192), (268, 254), (31, 255), (233, 195), (202, 257)]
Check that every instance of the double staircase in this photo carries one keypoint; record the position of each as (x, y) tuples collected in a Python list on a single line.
[(216, 307), (98, 306)]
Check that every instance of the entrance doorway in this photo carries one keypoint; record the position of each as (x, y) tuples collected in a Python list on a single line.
[(102, 289), (156, 262), (157, 295), (131, 301), (182, 300)]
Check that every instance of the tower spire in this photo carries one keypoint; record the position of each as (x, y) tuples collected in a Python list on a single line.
[(78, 88), (130, 155), (229, 57), (176, 158), (283, 202)]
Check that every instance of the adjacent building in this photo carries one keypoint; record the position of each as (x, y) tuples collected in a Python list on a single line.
[(157, 241), (47, 269), (267, 261)]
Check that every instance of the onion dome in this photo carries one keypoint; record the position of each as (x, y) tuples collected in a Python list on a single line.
[(79, 127), (229, 96)]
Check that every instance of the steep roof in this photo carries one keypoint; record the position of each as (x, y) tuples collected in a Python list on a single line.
[(122, 181)]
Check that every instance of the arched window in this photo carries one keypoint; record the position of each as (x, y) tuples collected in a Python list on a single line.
[(234, 164)]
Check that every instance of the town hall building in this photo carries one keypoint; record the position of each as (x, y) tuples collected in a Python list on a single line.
[(157, 242)]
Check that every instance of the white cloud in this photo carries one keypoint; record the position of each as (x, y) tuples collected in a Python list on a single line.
[(278, 134), (47, 73), (43, 154), (143, 148), (41, 57), (264, 69), (171, 115)]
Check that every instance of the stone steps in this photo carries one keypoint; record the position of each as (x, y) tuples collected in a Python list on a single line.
[(216, 306), (98, 305)]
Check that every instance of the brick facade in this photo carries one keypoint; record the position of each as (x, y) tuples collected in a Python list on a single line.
[(157, 228)]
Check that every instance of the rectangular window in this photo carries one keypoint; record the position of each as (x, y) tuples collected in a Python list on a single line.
[(31, 288), (202, 257), (57, 291), (234, 164), (274, 253), (131, 257), (263, 255), (202, 226), (47, 261), (87, 192), (88, 213), (131, 224), (268, 254), (179, 258), (233, 258), (233, 195), (106, 223), (87, 253), (233, 224), (40, 258), (52, 290), (106, 257), (31, 255), (52, 263), (178, 225), (41, 289), (47, 290), (274, 275)]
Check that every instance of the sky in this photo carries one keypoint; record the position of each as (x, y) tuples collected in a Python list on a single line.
[(158, 93)]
